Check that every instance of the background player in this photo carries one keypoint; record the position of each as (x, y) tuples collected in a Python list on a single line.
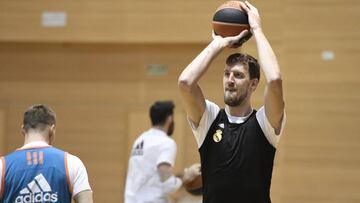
[(38, 172), (150, 172)]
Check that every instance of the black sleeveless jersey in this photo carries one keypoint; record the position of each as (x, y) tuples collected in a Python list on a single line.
[(236, 162)]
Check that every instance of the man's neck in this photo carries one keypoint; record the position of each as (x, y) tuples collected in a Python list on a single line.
[(158, 127), (35, 137), (240, 110)]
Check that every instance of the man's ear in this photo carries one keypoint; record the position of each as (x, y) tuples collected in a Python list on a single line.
[(169, 118), (52, 129), (23, 131), (254, 83)]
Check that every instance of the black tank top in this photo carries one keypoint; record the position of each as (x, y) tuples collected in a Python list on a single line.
[(236, 162)]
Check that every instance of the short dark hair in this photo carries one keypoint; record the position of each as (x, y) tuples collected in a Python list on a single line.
[(249, 61), (160, 110), (38, 117)]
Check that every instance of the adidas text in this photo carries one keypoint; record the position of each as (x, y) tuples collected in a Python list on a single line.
[(37, 197)]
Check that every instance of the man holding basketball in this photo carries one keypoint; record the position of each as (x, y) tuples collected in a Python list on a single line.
[(237, 144)]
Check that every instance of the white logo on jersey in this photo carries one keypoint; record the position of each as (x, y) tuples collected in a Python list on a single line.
[(221, 125), (37, 190)]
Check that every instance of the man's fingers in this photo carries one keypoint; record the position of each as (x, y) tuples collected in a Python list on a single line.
[(249, 5), (213, 34), (253, 8), (241, 35), (196, 166), (244, 6)]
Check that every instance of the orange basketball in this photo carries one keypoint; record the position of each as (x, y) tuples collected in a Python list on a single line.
[(195, 186), (230, 20)]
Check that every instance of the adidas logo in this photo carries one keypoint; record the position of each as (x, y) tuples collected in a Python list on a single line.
[(138, 151), (37, 190)]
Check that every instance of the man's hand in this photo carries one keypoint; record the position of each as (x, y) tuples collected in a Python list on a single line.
[(233, 41), (191, 172), (253, 15)]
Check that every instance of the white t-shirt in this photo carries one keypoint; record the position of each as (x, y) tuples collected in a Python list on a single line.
[(212, 110), (143, 184), (77, 171)]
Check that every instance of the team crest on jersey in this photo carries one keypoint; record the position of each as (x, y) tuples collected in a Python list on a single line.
[(139, 149), (37, 190), (217, 136)]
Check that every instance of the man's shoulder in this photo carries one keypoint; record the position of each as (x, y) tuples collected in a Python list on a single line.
[(260, 113), (170, 141), (212, 108), (211, 104), (165, 141), (72, 159), (8, 155), (156, 139)]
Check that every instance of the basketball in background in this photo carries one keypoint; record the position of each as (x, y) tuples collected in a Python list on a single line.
[(194, 187), (230, 19)]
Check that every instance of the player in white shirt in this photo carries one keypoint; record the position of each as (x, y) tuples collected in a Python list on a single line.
[(150, 176)]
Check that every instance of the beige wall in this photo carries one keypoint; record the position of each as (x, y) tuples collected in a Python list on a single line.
[(2, 131), (94, 74), (123, 21)]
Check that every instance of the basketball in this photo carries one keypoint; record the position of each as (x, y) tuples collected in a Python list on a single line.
[(230, 19), (194, 187)]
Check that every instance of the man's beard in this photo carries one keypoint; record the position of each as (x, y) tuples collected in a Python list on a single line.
[(170, 130), (236, 100)]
